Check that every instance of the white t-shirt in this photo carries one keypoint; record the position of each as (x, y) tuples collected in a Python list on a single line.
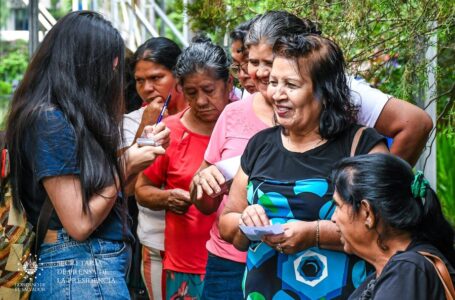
[(150, 229), (131, 124), (245, 94), (370, 100)]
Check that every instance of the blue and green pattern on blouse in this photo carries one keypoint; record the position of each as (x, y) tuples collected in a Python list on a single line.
[(295, 187)]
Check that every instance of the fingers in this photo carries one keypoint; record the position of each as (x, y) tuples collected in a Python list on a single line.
[(274, 239), (181, 195), (139, 158), (199, 191), (157, 128), (179, 207), (210, 180), (161, 134), (179, 201), (254, 215), (150, 152), (151, 112)]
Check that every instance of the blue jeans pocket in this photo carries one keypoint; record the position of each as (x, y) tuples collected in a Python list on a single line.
[(93, 269)]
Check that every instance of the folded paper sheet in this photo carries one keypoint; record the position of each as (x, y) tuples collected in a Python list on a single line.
[(229, 167), (255, 233)]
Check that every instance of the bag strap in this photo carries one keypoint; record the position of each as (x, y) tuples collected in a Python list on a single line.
[(47, 208), (443, 273), (355, 141), (43, 223)]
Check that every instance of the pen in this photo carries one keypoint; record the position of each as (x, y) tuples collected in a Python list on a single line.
[(160, 117)]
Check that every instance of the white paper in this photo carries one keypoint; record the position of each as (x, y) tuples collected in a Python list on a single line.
[(256, 233), (229, 167)]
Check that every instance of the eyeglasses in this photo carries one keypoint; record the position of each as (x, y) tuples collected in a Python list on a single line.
[(236, 68)]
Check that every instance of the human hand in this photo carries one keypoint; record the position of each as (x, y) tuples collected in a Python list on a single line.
[(297, 236), (254, 215), (159, 133), (178, 201), (209, 181), (139, 158), (152, 111)]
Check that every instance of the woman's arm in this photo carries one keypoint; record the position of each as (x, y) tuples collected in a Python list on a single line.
[(149, 117), (137, 158), (207, 188), (238, 212), (408, 125), (66, 196), (150, 196)]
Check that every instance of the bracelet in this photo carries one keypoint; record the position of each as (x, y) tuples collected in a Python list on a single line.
[(317, 233)]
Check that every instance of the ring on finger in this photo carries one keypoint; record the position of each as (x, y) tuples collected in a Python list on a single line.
[(279, 248)]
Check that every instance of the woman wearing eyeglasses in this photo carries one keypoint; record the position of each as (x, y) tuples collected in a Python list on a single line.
[(239, 53)]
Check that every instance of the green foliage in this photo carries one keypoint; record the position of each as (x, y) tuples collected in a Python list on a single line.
[(368, 31), (13, 62), (4, 11), (446, 174), (13, 65), (384, 41), (59, 8)]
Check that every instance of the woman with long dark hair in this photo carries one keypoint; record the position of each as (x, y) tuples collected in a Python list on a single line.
[(387, 214), (63, 135)]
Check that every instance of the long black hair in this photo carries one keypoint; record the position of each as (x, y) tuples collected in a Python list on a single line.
[(77, 69), (159, 50), (325, 64), (385, 181)]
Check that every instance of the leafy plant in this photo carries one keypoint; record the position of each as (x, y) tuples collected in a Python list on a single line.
[(446, 174)]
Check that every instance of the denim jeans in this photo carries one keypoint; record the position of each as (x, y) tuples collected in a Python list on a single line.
[(93, 269), (223, 279)]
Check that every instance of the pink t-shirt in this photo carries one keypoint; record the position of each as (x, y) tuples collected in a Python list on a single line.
[(234, 128)]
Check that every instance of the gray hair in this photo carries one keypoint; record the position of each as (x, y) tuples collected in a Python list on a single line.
[(202, 55), (275, 24)]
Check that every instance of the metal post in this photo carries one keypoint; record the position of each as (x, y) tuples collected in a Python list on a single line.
[(75, 5), (430, 55), (427, 161), (186, 22), (163, 24), (33, 27)]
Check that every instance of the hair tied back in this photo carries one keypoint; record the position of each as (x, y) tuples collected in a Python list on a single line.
[(419, 186)]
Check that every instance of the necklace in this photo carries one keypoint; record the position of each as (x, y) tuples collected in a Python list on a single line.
[(304, 147)]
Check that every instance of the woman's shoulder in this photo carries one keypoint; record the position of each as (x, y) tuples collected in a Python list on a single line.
[(407, 268), (241, 106), (416, 253), (411, 259), (264, 139), (359, 139), (265, 134), (173, 121), (51, 120)]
